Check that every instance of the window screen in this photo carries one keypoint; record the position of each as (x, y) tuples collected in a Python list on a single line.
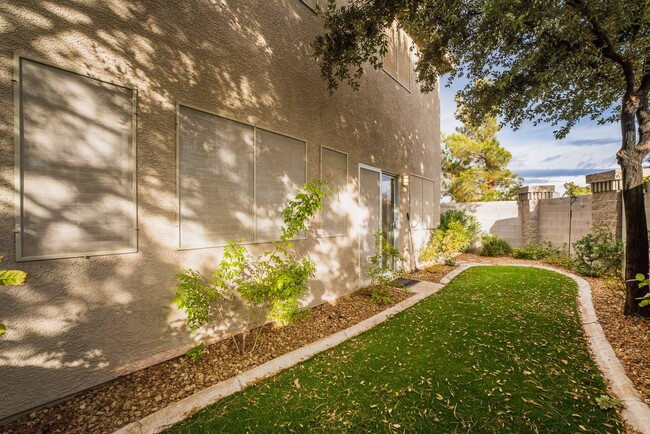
[(77, 165), (421, 203), (334, 170), (397, 60), (370, 209), (280, 172), (215, 179)]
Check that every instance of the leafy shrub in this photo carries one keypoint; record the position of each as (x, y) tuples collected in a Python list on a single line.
[(383, 269), (467, 221), (645, 300), (598, 253), (535, 251), (560, 259), (445, 244), (10, 278), (196, 352), (494, 246), (271, 283)]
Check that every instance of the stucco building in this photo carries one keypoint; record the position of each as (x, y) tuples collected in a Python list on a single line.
[(138, 137)]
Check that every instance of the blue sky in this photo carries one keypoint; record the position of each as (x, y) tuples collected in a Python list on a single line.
[(537, 156)]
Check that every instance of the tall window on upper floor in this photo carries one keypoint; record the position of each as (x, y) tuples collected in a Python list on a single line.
[(397, 60), (421, 202), (334, 171), (234, 179), (75, 164)]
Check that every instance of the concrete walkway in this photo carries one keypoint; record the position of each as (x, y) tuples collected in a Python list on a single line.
[(636, 412)]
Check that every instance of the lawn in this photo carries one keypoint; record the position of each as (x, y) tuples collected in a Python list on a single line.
[(498, 349)]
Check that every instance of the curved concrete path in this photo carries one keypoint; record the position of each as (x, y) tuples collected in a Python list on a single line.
[(636, 412)]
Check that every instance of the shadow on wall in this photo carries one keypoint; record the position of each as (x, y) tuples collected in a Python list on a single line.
[(82, 321)]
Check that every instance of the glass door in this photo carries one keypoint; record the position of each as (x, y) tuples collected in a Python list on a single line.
[(388, 211)]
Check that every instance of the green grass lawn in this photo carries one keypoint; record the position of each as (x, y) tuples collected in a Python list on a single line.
[(500, 349)]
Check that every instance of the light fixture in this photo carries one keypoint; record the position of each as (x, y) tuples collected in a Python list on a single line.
[(405, 180)]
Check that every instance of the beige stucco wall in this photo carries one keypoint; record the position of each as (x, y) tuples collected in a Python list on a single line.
[(554, 220), (82, 321), (498, 218)]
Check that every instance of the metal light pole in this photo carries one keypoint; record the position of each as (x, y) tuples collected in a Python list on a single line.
[(573, 199)]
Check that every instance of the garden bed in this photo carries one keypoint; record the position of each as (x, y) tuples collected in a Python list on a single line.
[(129, 398)]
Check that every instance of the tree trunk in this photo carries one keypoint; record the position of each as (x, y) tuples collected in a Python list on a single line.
[(636, 227)]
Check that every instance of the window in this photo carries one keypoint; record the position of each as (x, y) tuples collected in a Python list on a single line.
[(280, 171), (397, 60), (421, 203), (234, 179), (334, 170), (215, 179), (75, 165)]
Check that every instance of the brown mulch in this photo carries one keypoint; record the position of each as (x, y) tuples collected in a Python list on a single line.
[(129, 398), (629, 336), (432, 273)]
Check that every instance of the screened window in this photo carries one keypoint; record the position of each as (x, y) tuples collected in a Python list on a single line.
[(234, 180), (334, 171), (215, 180), (421, 202), (76, 165), (397, 60)]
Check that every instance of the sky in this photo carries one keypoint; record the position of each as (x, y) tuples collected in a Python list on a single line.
[(537, 156)]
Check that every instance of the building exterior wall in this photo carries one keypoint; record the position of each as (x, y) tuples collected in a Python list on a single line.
[(82, 321), (498, 218), (554, 220)]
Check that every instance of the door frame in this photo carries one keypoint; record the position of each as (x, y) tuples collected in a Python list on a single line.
[(380, 172)]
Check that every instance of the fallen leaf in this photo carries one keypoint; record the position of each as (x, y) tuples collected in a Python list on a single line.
[(296, 383)]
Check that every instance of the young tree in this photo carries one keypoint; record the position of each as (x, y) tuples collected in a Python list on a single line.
[(573, 189), (554, 61), (474, 165)]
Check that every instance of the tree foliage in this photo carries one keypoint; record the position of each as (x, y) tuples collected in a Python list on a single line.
[(525, 61), (573, 189), (474, 165)]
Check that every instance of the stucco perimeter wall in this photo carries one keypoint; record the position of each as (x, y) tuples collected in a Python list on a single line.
[(554, 220), (82, 321), (498, 218)]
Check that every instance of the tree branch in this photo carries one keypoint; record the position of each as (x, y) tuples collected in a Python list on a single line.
[(604, 43)]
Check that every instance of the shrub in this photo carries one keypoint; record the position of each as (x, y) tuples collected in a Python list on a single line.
[(271, 283), (495, 246), (467, 221), (560, 259), (598, 253), (196, 352), (535, 251), (383, 268), (10, 278), (445, 244), (645, 300)]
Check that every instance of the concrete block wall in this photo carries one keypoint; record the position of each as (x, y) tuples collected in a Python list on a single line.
[(554, 220), (498, 218)]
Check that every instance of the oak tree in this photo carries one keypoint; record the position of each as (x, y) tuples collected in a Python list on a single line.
[(552, 61)]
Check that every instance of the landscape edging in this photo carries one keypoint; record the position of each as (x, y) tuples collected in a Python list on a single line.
[(636, 411), (177, 411)]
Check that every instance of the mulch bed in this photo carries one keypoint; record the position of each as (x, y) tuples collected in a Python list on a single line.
[(129, 398), (629, 336)]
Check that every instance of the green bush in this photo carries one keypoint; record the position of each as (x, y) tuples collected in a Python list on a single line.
[(645, 300), (385, 267), (535, 251), (598, 253), (271, 283), (445, 244), (467, 221), (560, 259), (494, 246)]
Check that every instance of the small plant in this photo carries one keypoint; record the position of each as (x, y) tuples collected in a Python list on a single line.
[(445, 244), (535, 251), (467, 221), (606, 403), (384, 268), (196, 353), (494, 246), (271, 283), (598, 253), (10, 278), (645, 300)]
